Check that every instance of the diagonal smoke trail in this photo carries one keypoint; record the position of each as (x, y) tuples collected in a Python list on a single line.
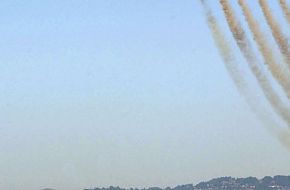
[(285, 9), (245, 47), (225, 51), (284, 137), (279, 37), (239, 80), (280, 73)]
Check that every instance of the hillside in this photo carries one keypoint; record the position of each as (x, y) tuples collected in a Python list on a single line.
[(226, 183)]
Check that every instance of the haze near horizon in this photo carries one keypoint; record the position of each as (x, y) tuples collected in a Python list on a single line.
[(127, 93)]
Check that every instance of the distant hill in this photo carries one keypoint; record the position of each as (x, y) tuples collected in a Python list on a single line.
[(278, 182)]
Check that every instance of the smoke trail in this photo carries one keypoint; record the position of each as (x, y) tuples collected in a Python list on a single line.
[(225, 51), (238, 78), (248, 52), (284, 137), (285, 9), (228, 57), (278, 71), (279, 37)]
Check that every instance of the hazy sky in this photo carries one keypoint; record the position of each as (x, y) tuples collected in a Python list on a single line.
[(129, 93)]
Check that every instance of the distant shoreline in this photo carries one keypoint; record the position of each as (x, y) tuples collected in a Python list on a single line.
[(278, 182)]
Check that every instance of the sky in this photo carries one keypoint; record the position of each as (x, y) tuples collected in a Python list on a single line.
[(128, 93)]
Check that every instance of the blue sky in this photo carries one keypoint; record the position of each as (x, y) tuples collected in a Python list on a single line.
[(129, 93)]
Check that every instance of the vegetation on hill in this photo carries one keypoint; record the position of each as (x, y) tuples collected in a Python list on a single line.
[(278, 182)]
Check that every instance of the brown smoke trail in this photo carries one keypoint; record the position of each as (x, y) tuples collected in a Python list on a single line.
[(278, 71), (248, 52), (228, 57), (279, 37), (285, 9), (229, 60), (284, 137), (225, 51)]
